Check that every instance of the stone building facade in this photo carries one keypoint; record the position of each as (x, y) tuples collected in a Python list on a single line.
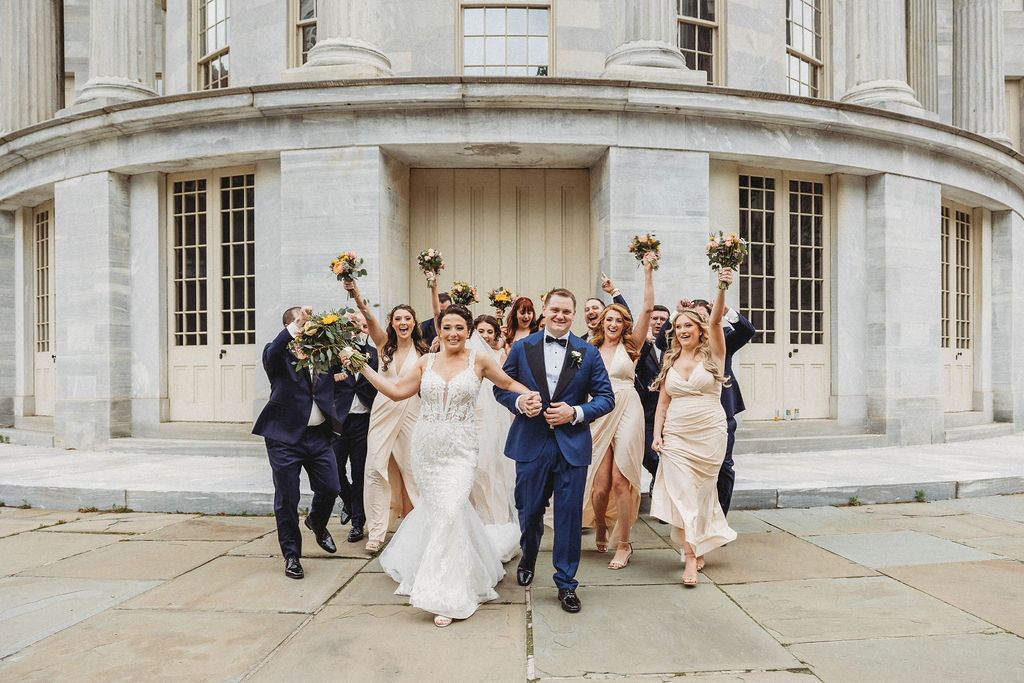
[(174, 173)]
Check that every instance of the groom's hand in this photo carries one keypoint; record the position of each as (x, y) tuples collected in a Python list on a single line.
[(531, 404), (559, 413)]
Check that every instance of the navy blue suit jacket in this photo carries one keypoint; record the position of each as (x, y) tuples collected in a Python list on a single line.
[(429, 330), (735, 338), (292, 393), (586, 386), (346, 390)]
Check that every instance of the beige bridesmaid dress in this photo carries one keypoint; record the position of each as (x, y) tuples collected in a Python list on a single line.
[(388, 447), (622, 430), (694, 440)]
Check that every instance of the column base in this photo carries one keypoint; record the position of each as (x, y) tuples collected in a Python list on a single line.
[(110, 89), (893, 95), (650, 60), (341, 58)]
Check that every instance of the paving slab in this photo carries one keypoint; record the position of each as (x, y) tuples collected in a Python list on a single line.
[(1006, 507), (395, 643), (36, 548), (731, 677), (45, 515), (959, 527), (215, 528), (1012, 548), (34, 608), (995, 658), (649, 630), (896, 548), (158, 560), (776, 557), (144, 645), (9, 527), (844, 609), (268, 546), (993, 591), (817, 521), (127, 523), (369, 589), (743, 522), (654, 566), (250, 584), (900, 510)]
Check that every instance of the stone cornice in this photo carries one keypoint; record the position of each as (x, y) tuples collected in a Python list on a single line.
[(573, 94)]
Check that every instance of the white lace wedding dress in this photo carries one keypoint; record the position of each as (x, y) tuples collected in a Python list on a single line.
[(443, 557)]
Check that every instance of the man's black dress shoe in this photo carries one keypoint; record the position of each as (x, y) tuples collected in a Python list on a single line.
[(292, 568), (570, 601), (323, 537), (345, 515), (524, 574), (356, 534)]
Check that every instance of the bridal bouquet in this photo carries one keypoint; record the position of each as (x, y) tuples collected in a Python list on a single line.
[(431, 261), (725, 251), (642, 246), (325, 340), (463, 293), (501, 298), (348, 267)]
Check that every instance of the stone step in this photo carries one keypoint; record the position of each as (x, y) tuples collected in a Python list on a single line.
[(983, 431), (801, 444), (967, 418), (28, 437), (213, 447)]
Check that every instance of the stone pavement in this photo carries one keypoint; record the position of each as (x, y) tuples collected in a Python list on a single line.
[(902, 592)]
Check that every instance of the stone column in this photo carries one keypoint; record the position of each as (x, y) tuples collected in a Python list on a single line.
[(8, 364), (1007, 313), (347, 37), (122, 51), (648, 51), (876, 61), (93, 289), (903, 378), (849, 281), (979, 90), (28, 63), (922, 52)]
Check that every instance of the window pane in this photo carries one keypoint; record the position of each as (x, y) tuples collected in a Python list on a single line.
[(495, 20), (307, 9), (517, 71), (495, 50), (474, 51), (517, 51), (494, 71), (474, 71), (538, 22), (538, 50), (473, 21), (687, 8), (517, 22)]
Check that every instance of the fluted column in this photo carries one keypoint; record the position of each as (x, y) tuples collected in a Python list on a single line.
[(979, 90), (347, 39), (649, 50), (122, 51), (876, 48), (922, 52), (28, 63)]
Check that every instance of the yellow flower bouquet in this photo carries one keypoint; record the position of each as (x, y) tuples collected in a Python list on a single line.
[(501, 298), (325, 340)]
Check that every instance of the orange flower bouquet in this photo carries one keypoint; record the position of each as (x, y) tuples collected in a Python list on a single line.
[(325, 340), (640, 247), (501, 299), (463, 293), (348, 267)]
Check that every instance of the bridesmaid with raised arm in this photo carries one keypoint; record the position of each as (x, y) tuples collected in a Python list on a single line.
[(690, 434), (612, 496), (388, 488), (522, 321)]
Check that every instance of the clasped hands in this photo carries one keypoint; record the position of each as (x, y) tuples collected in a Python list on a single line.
[(557, 413)]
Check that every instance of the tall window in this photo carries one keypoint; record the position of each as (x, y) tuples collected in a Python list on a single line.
[(804, 47), (213, 38), (698, 29), (305, 28), (505, 41), (757, 227), (956, 279), (43, 281)]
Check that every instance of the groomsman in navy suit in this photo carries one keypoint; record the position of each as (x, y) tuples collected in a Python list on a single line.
[(295, 428), (647, 367), (738, 331), (593, 306), (350, 422), (428, 327), (550, 437)]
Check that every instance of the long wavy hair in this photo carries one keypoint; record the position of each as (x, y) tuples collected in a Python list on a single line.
[(387, 352), (703, 351), (512, 322), (626, 338)]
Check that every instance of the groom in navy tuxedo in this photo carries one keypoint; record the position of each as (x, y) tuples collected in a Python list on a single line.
[(550, 437)]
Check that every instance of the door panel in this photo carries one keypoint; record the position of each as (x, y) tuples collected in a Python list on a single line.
[(45, 348), (957, 310)]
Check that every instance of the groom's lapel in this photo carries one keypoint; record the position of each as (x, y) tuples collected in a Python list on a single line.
[(568, 367), (535, 359)]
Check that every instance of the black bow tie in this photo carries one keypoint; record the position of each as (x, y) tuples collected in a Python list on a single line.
[(551, 340)]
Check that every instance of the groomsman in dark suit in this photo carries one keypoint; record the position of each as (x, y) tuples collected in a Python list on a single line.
[(428, 328), (295, 428), (350, 422), (738, 331), (593, 306), (647, 367)]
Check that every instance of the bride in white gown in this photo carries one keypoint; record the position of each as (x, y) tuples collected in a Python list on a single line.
[(443, 557)]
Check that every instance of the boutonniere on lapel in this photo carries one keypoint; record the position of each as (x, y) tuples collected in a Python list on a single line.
[(576, 359)]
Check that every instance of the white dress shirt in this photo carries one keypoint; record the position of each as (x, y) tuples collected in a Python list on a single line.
[(316, 416), (554, 359)]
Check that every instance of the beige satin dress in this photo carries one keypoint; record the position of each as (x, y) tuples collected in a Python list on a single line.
[(694, 440), (388, 447), (623, 431)]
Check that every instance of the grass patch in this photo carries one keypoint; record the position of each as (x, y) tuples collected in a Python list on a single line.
[(25, 505), (855, 501), (920, 497)]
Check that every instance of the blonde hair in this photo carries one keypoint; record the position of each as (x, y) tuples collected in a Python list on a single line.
[(703, 350), (626, 338)]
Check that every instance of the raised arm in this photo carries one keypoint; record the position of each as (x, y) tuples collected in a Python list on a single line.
[(643, 319), (435, 303), (377, 333), (715, 332), (406, 386)]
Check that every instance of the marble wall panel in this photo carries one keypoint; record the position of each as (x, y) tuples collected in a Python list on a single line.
[(849, 282), (259, 41), (8, 365), (1007, 314), (419, 37), (755, 43)]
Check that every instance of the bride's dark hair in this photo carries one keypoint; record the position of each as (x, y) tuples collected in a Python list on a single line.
[(459, 310)]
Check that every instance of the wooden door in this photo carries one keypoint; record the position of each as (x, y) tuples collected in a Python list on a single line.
[(957, 307), (45, 348)]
